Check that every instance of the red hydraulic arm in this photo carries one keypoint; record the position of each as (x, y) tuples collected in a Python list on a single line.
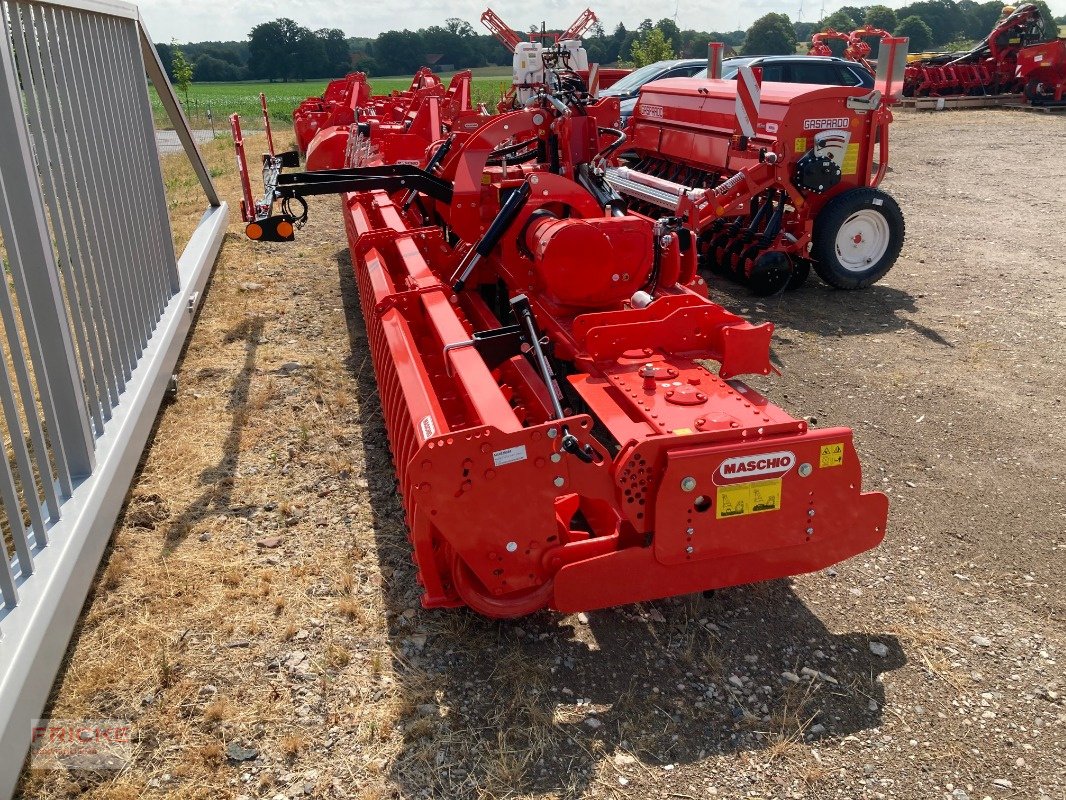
[(581, 25), (500, 29)]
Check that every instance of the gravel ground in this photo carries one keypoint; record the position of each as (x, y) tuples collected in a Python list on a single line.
[(257, 617)]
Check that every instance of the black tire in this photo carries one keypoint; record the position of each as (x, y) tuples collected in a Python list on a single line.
[(837, 212)]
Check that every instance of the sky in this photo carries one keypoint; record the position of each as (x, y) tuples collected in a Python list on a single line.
[(209, 20)]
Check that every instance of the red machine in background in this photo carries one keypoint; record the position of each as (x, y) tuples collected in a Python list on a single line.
[(547, 54), (349, 100), (541, 350), (857, 46), (777, 183), (1015, 58)]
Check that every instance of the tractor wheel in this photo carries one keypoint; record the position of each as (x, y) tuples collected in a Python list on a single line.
[(801, 268), (505, 606), (857, 238), (769, 274)]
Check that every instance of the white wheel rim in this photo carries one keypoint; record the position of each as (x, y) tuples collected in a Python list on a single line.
[(862, 240)]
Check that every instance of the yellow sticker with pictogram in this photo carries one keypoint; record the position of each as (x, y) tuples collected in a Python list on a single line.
[(851, 160), (801, 145), (753, 497), (832, 455)]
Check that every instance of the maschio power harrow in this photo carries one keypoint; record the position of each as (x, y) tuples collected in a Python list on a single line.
[(563, 401)]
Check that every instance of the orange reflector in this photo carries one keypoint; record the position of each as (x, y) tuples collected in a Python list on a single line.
[(254, 231), (284, 229)]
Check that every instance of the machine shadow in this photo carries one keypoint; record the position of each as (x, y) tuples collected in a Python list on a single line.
[(544, 704), (818, 308)]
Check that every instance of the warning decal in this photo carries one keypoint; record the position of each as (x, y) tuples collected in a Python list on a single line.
[(851, 160), (832, 455), (801, 145), (753, 497)]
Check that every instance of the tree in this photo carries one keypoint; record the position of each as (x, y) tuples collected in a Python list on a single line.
[(881, 17), (651, 48), (270, 46), (915, 29), (840, 21), (209, 68), (182, 70), (671, 32), (941, 16), (336, 55), (459, 27), (770, 35)]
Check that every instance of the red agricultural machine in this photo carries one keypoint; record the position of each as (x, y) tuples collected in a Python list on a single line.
[(348, 101), (779, 177), (548, 56), (562, 399), (856, 44), (1015, 58)]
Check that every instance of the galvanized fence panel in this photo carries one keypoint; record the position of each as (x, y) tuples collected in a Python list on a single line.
[(94, 308)]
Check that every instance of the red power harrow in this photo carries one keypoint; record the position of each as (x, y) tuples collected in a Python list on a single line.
[(543, 356), (348, 101), (777, 183), (1015, 58)]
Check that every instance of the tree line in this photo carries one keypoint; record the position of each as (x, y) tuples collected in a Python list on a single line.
[(283, 50)]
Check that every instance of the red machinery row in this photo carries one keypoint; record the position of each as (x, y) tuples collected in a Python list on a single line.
[(1017, 57), (542, 339)]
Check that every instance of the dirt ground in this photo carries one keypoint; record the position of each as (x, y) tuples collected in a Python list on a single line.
[(258, 621)]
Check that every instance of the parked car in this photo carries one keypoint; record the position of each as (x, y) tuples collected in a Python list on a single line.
[(627, 89), (821, 70)]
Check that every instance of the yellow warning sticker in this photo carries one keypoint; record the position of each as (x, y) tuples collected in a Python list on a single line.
[(832, 455), (682, 431), (851, 160), (752, 497), (801, 145)]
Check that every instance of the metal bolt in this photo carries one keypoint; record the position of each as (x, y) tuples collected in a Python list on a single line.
[(552, 433), (559, 480), (805, 470), (556, 458), (690, 549), (810, 512), (688, 484), (810, 531), (690, 531), (512, 546)]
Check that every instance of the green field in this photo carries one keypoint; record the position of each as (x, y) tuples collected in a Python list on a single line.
[(224, 99)]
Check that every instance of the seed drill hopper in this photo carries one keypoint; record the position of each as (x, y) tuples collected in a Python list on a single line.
[(772, 177), (564, 403)]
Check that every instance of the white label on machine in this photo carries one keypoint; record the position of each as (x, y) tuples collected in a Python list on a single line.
[(819, 124), (509, 456), (427, 427), (746, 467)]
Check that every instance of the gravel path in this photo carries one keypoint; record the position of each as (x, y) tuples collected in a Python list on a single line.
[(259, 602)]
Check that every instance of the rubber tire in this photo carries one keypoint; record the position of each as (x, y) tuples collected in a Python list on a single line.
[(828, 223)]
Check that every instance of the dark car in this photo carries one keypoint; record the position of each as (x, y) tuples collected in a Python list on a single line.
[(822, 70), (627, 89)]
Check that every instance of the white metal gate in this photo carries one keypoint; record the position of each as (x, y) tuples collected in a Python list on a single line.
[(94, 309)]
